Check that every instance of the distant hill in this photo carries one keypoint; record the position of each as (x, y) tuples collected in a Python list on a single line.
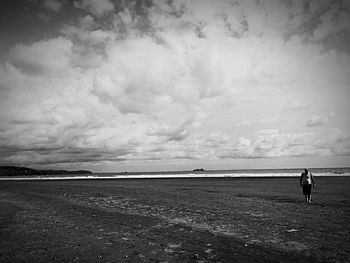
[(23, 171)]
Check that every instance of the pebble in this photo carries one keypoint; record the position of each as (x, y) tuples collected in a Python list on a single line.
[(291, 230), (195, 256)]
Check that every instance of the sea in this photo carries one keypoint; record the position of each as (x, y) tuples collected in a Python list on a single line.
[(286, 172), (198, 173)]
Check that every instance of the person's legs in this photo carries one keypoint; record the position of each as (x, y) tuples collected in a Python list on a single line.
[(307, 193), (310, 189)]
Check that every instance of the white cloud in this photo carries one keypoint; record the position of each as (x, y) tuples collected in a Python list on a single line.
[(298, 103), (43, 56), (95, 7), (244, 123), (318, 120), (271, 143), (266, 121), (262, 121)]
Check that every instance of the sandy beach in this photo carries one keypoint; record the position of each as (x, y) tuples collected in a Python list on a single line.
[(174, 220)]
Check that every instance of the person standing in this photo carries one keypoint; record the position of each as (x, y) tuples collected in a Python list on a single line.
[(307, 181)]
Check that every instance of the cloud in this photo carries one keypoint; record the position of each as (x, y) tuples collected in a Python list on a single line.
[(318, 120), (299, 103), (335, 20), (43, 56), (266, 121), (271, 143), (244, 123), (262, 121), (172, 81), (95, 7), (53, 5)]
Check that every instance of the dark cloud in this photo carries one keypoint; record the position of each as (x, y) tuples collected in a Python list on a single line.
[(51, 155)]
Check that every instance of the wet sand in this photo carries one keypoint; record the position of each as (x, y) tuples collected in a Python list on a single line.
[(174, 220)]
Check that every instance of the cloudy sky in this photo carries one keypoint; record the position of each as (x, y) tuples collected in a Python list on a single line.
[(171, 85)]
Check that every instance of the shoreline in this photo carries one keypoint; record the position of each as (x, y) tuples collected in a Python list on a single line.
[(167, 176)]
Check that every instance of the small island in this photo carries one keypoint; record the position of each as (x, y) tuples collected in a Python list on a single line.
[(198, 170)]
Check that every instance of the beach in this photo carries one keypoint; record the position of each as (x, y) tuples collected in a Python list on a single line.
[(174, 220)]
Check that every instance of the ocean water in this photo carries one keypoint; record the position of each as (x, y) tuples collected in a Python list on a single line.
[(342, 171)]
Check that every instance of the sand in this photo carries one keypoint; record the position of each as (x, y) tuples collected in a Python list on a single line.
[(174, 220)]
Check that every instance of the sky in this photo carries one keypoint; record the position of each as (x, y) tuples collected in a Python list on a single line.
[(154, 85)]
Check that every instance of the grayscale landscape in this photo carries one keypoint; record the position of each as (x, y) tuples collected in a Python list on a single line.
[(174, 131)]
